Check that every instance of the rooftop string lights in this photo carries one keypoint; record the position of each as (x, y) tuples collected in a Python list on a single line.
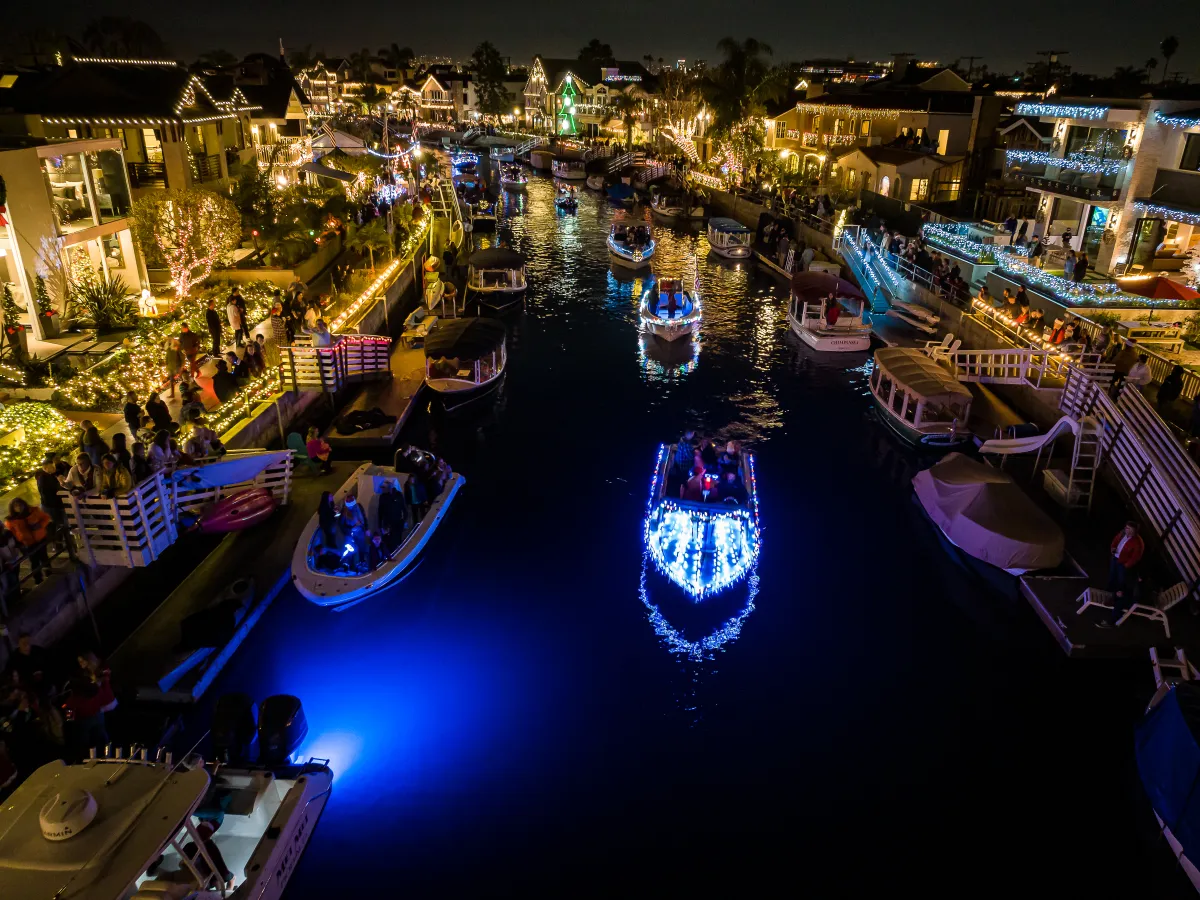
[(954, 238), (1061, 111), (841, 109), (1182, 216), (1192, 121), (1076, 162), (121, 61)]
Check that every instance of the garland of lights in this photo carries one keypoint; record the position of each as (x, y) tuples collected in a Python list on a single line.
[(1012, 261), (385, 278), (1175, 215), (838, 109), (1059, 111), (952, 237), (1076, 162), (705, 647), (1178, 121)]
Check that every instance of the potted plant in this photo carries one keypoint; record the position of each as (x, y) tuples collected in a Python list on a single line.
[(48, 316), (14, 331)]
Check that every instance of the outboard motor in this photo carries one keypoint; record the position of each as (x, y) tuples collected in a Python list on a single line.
[(282, 728), (234, 726)]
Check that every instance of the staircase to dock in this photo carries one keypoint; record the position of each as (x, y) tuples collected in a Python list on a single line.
[(625, 160), (354, 358), (532, 144)]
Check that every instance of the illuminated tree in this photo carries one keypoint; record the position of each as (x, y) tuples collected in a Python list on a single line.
[(189, 230)]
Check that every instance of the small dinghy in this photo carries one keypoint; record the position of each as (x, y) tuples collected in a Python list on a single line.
[(566, 199), (244, 509), (333, 569)]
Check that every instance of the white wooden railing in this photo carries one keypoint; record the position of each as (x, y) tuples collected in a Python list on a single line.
[(1036, 368), (354, 358)]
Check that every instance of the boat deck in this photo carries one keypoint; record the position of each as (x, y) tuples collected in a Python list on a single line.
[(265, 552), (396, 396)]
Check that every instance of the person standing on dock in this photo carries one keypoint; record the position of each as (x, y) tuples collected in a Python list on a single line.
[(212, 320), (1126, 550), (30, 526)]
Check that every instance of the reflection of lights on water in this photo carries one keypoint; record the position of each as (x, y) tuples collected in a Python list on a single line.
[(341, 748), (706, 646), (660, 369)]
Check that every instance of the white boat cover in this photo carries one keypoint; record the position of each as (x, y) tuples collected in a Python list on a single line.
[(983, 512), (229, 469)]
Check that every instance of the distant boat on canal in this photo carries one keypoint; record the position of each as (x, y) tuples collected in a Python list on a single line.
[(669, 312), (729, 238), (569, 169), (513, 179), (465, 360), (337, 575), (675, 206), (704, 544), (630, 245)]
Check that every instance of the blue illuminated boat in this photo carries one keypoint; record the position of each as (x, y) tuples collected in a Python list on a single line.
[(669, 312), (336, 573), (464, 161), (706, 545)]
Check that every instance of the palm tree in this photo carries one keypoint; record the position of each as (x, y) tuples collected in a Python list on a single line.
[(218, 57), (370, 238), (1150, 65), (737, 81), (1168, 47), (624, 108), (395, 56), (360, 63)]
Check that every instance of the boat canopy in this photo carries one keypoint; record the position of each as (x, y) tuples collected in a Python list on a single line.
[(727, 226), (135, 814), (810, 285), (496, 258), (465, 338), (1168, 761), (982, 511), (919, 375)]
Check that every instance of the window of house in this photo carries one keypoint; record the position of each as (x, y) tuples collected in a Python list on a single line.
[(943, 141), (1191, 153), (918, 189), (837, 126), (817, 124), (865, 129), (780, 129), (885, 186)]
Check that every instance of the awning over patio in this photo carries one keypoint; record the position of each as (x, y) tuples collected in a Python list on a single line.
[(317, 169)]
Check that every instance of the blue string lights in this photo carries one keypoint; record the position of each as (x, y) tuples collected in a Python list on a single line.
[(1192, 121), (1059, 111), (954, 237), (1076, 162), (703, 549), (705, 647), (1166, 212)]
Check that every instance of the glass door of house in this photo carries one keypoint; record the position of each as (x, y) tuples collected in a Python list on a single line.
[(1093, 233)]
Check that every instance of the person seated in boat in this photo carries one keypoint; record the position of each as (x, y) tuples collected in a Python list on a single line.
[(354, 527), (832, 311), (731, 488), (708, 453), (694, 488), (377, 553), (727, 463), (327, 521)]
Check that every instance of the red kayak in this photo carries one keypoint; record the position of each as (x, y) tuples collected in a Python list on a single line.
[(238, 511)]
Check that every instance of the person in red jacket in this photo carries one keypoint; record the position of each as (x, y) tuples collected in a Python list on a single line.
[(1126, 551), (30, 525)]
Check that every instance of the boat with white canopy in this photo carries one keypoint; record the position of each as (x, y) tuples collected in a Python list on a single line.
[(496, 277), (668, 311), (729, 238), (704, 536), (920, 399), (138, 827), (630, 245), (465, 359), (331, 569)]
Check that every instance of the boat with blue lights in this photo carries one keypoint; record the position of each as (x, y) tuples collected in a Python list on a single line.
[(630, 245), (331, 567), (669, 312), (464, 161), (702, 529)]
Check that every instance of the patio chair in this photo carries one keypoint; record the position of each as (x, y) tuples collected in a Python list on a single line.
[(1163, 602), (932, 347), (940, 353), (299, 449), (1095, 597)]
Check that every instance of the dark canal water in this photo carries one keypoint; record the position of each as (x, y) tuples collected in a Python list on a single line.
[(518, 717)]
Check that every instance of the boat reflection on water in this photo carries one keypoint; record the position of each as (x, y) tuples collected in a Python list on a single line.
[(662, 361), (681, 629)]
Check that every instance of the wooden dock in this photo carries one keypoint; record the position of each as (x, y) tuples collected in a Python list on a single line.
[(396, 396)]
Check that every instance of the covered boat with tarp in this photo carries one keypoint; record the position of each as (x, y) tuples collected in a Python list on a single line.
[(1167, 746), (496, 277), (465, 359), (983, 512)]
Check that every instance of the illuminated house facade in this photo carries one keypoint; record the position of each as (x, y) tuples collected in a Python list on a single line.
[(68, 201), (567, 98), (1122, 175), (174, 131), (325, 83)]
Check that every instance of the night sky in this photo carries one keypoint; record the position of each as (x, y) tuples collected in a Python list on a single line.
[(1100, 35)]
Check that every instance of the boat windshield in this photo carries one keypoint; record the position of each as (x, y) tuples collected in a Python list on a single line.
[(632, 235)]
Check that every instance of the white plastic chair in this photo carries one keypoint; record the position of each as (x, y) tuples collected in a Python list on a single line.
[(1163, 602), (940, 353), (932, 347), (1095, 597)]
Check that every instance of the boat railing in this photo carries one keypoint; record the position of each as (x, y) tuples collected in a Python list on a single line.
[(354, 358), (133, 529)]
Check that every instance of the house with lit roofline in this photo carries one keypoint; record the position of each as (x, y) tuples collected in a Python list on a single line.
[(572, 98), (1122, 175)]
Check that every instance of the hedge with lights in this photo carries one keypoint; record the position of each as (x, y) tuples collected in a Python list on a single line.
[(43, 430)]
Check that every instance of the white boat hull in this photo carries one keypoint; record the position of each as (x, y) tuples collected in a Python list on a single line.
[(670, 332), (595, 182), (571, 176), (326, 589), (833, 340), (742, 252), (275, 859), (521, 186)]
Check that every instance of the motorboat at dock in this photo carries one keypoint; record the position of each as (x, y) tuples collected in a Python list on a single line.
[(502, 154), (465, 360), (630, 245), (675, 206), (920, 399), (729, 238), (333, 570), (496, 277), (814, 319), (136, 826), (464, 161), (569, 169), (703, 540), (668, 311)]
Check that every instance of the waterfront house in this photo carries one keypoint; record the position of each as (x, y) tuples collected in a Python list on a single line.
[(173, 130), (324, 83), (571, 98), (67, 205), (1122, 175)]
